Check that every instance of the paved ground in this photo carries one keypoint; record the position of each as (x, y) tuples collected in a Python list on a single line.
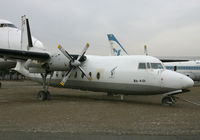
[(74, 113)]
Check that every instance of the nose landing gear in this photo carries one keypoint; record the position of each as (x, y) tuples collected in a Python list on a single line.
[(168, 100)]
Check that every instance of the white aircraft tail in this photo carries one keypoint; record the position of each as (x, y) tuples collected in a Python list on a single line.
[(116, 48), (26, 39)]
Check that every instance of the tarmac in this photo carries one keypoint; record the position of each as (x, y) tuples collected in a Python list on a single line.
[(75, 114)]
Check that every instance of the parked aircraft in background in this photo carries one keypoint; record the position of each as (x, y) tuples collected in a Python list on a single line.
[(10, 37), (191, 68), (124, 75), (116, 48)]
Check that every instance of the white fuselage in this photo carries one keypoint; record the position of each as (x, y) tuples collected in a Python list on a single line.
[(117, 74), (190, 68)]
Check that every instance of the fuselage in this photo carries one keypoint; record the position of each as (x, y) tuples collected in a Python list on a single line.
[(141, 75)]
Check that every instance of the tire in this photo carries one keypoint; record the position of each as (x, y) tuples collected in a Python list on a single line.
[(167, 101), (42, 95)]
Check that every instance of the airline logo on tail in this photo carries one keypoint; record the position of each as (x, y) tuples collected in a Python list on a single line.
[(116, 48)]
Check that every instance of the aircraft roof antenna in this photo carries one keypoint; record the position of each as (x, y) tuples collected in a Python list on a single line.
[(145, 50)]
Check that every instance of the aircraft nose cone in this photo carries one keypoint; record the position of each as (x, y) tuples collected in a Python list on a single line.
[(176, 80), (186, 82)]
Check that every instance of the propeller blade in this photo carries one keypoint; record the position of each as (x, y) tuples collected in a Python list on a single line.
[(89, 78), (65, 53), (66, 77), (83, 51)]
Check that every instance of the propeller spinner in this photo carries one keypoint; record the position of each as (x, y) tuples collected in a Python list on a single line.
[(74, 63)]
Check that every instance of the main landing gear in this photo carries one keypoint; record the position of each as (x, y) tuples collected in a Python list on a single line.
[(44, 94), (169, 100)]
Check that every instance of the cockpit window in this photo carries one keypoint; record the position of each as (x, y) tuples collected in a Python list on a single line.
[(142, 66), (156, 66), (7, 25)]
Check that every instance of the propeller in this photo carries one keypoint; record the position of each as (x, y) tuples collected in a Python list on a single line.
[(74, 63)]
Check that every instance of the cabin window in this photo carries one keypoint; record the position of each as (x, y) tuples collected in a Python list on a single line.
[(82, 75), (63, 74), (98, 75), (142, 66), (156, 66)]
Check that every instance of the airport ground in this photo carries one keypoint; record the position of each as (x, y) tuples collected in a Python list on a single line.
[(75, 114)]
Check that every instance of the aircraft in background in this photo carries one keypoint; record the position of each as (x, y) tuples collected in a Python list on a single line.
[(11, 38), (124, 75), (116, 48), (190, 68)]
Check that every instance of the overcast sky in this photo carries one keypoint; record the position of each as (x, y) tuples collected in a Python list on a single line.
[(167, 27)]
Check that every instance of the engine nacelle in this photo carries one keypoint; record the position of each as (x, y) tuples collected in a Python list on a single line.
[(58, 62)]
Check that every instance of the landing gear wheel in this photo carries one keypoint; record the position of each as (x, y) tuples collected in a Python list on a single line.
[(0, 84), (42, 95), (168, 100), (174, 99)]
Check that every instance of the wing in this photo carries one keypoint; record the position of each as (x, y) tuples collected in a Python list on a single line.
[(23, 55)]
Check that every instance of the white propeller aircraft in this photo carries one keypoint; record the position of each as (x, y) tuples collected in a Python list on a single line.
[(124, 75)]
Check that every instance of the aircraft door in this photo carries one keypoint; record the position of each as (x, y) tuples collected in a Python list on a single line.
[(154, 75), (175, 68)]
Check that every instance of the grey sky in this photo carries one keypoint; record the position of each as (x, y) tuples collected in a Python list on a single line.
[(167, 27)]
